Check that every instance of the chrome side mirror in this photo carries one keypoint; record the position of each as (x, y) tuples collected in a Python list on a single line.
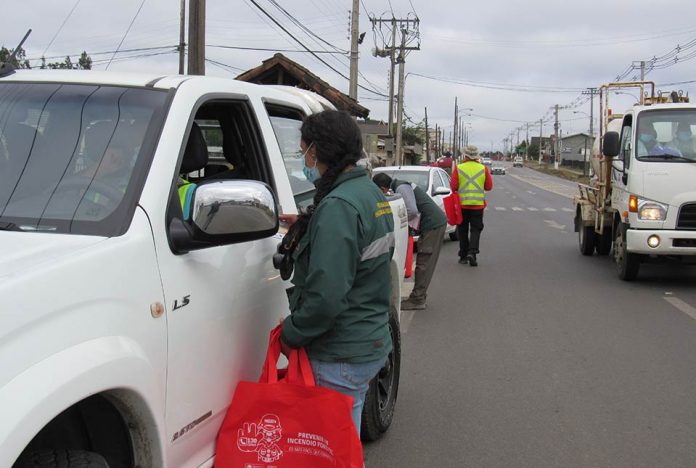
[(226, 212), (442, 191)]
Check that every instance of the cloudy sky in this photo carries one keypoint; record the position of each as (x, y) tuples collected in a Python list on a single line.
[(510, 61)]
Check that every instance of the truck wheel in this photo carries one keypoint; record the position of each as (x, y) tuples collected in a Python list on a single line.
[(627, 264), (453, 236), (62, 459), (604, 242), (586, 239), (380, 400)]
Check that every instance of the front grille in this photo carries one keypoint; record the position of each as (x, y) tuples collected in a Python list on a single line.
[(687, 217), (690, 243)]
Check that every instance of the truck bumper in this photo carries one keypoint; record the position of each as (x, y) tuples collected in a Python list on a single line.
[(671, 242)]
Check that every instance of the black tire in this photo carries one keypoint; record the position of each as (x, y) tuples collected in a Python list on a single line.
[(627, 264), (603, 242), (586, 239), (453, 236), (62, 459), (380, 400)]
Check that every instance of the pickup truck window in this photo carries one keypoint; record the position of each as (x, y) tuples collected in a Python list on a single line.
[(69, 153), (286, 125), (666, 136)]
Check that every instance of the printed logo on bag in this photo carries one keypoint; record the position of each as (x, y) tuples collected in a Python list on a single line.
[(264, 437)]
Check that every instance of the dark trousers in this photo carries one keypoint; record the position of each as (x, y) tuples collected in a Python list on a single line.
[(469, 232), (429, 245)]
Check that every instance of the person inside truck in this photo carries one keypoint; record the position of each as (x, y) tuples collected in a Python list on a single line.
[(684, 141), (648, 144), (342, 248)]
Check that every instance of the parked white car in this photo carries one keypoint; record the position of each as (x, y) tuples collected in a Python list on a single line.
[(433, 180)]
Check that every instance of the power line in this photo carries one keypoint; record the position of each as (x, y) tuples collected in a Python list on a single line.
[(303, 27), (502, 86), (224, 65), (268, 49), (92, 54), (307, 49), (127, 31), (61, 27)]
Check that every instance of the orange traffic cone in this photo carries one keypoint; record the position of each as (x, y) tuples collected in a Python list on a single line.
[(409, 258)]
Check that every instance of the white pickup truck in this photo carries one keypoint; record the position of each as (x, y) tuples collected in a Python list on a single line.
[(124, 328)]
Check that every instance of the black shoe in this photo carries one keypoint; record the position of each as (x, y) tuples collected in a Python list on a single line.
[(463, 260), (472, 260)]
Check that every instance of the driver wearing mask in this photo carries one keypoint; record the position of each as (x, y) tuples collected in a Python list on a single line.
[(649, 146), (683, 141)]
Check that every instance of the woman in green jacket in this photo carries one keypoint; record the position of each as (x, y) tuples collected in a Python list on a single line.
[(341, 247)]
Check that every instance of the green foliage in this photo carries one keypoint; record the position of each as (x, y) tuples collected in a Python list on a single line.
[(19, 61), (412, 136), (521, 148), (83, 63), (534, 150)]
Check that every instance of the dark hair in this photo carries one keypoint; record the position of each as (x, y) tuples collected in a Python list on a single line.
[(382, 180), (338, 145)]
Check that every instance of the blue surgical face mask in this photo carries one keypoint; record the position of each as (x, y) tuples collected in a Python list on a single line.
[(311, 173), (646, 137), (684, 137)]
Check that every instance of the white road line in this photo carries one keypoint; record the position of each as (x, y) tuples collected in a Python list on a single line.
[(549, 209), (517, 208), (682, 306), (529, 191), (533, 209), (568, 210), (554, 224), (405, 320), (500, 208)]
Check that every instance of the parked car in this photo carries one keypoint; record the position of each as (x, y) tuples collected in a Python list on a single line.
[(433, 180), (517, 162), (498, 170), (486, 161)]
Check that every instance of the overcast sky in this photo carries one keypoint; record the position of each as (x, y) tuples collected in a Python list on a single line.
[(537, 45)]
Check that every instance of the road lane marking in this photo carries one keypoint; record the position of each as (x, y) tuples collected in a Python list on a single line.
[(568, 210), (529, 191), (554, 224), (533, 209), (500, 208), (517, 208), (549, 209), (682, 306)]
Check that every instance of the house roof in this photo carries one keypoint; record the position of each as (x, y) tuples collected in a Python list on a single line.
[(280, 70), (374, 128), (586, 135)]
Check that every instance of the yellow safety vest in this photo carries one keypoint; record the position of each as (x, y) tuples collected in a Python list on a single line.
[(186, 190), (472, 178)]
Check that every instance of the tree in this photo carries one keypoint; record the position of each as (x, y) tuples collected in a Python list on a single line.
[(534, 151), (412, 136), (520, 149), (83, 63), (19, 61)]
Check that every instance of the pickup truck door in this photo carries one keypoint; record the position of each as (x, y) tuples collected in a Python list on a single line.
[(221, 301)]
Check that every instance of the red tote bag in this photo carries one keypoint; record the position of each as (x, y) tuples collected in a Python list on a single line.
[(285, 421), (453, 209)]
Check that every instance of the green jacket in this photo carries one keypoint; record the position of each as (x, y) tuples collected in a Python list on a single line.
[(340, 303), (432, 216)]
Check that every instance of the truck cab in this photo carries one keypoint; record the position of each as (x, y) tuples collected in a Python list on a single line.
[(136, 270)]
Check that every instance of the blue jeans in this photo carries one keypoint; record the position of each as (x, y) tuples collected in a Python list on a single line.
[(347, 378)]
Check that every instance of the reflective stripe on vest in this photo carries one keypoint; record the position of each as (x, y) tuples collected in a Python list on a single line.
[(472, 178), (185, 196)]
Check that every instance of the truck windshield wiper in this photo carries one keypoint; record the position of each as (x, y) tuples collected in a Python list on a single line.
[(7, 226), (667, 156)]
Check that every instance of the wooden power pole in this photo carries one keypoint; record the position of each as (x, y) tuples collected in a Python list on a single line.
[(196, 58)]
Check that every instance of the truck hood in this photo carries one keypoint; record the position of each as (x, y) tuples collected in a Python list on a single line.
[(25, 251), (671, 183)]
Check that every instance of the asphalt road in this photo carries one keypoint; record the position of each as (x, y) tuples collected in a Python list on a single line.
[(540, 357)]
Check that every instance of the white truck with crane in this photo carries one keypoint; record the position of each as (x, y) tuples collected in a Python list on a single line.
[(642, 198), (129, 313)]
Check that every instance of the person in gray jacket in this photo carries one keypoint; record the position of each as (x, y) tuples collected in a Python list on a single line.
[(433, 223)]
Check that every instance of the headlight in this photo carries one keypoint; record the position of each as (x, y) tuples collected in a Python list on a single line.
[(649, 210)]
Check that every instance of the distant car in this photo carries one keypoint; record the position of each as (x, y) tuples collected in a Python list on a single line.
[(517, 162), (486, 161), (498, 170), (433, 180)]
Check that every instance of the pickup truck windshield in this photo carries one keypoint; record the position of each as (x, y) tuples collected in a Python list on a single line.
[(69, 155), (666, 136)]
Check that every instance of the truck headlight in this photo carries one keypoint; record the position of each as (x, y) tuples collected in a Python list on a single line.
[(649, 210)]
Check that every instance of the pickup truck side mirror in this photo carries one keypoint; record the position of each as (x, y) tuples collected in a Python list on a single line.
[(611, 145), (441, 191), (226, 212)]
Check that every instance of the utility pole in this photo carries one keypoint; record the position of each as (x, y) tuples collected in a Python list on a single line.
[(427, 137), (642, 70), (354, 31), (182, 38), (400, 106), (592, 92), (392, 58), (196, 58), (541, 142), (557, 148), (455, 130), (526, 144)]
